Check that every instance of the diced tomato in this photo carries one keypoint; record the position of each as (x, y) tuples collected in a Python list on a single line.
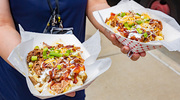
[(133, 37), (82, 68), (76, 70), (75, 78), (113, 14), (126, 34)]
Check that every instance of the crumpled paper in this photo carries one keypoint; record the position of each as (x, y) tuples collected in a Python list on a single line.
[(91, 49), (171, 28)]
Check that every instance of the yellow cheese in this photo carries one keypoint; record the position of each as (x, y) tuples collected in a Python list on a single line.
[(158, 38), (145, 15), (108, 22), (137, 16)]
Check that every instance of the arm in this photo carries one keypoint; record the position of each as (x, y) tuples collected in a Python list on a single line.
[(10, 38), (94, 5)]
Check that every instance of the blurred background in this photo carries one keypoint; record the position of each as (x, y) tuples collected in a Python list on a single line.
[(154, 77)]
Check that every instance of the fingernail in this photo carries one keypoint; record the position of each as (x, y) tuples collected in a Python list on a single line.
[(126, 50), (130, 54)]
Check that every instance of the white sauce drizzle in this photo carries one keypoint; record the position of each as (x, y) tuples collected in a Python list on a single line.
[(134, 34), (44, 75)]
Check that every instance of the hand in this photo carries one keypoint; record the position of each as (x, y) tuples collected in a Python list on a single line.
[(72, 94), (126, 49)]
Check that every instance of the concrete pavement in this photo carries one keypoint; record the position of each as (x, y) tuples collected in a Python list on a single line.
[(149, 78)]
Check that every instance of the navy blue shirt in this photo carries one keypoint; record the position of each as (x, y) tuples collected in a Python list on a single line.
[(33, 16)]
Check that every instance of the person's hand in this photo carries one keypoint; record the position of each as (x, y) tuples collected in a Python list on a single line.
[(126, 49), (72, 94)]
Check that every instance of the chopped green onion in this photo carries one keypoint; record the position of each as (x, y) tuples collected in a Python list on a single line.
[(52, 51), (52, 48), (145, 35), (66, 54), (59, 50), (68, 51), (44, 53), (119, 14), (50, 56), (36, 47), (72, 51), (139, 30), (123, 14), (146, 19), (58, 67), (45, 57), (30, 64), (33, 58), (126, 24), (45, 49), (56, 51), (138, 14), (139, 21), (128, 28), (131, 25), (56, 54)]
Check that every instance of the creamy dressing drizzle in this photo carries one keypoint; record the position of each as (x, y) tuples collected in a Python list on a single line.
[(134, 34), (44, 73)]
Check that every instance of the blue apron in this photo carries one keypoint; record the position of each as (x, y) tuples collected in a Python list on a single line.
[(33, 16)]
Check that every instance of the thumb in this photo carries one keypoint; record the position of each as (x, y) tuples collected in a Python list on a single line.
[(72, 94)]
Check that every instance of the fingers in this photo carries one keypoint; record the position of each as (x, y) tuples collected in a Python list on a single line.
[(72, 94), (115, 41), (143, 54), (135, 57), (125, 49)]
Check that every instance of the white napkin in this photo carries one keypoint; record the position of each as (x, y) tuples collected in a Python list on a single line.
[(91, 49)]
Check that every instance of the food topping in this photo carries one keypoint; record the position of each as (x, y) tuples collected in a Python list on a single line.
[(135, 26), (58, 68)]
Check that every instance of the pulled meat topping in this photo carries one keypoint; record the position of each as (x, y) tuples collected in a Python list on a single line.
[(135, 26), (56, 65)]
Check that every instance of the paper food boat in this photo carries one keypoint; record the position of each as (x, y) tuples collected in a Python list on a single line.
[(170, 26), (90, 48)]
